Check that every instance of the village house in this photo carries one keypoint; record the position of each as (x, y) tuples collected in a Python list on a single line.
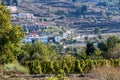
[(68, 34), (57, 38), (26, 17), (14, 16), (43, 39), (13, 9), (54, 39), (35, 26), (32, 37)]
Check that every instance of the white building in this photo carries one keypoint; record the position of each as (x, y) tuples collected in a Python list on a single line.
[(14, 16), (43, 39), (13, 9), (68, 34), (26, 16), (30, 38), (57, 38), (35, 25)]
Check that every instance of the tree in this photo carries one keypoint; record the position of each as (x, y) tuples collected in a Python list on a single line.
[(112, 41), (103, 46), (114, 52), (60, 12), (108, 46), (74, 0), (82, 54), (36, 51), (84, 9), (10, 37), (90, 49), (86, 38), (16, 2), (97, 30), (25, 52), (78, 12), (104, 4)]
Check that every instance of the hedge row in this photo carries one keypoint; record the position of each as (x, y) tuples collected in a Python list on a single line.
[(69, 66)]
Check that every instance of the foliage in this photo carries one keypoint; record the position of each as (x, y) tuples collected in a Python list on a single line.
[(84, 9), (74, 0), (52, 78), (109, 46), (82, 54), (41, 58), (83, 64), (104, 4), (35, 67), (16, 68), (10, 2), (97, 30), (10, 37), (60, 12), (114, 52), (90, 49), (36, 51), (60, 76), (112, 41), (68, 65)]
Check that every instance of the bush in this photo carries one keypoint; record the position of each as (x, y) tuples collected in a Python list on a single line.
[(52, 78), (35, 67), (15, 68)]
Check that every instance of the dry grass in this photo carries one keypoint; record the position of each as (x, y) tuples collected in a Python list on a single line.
[(106, 73), (102, 73), (1, 71)]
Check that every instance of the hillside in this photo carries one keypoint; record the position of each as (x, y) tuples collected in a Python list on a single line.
[(10, 2), (82, 14)]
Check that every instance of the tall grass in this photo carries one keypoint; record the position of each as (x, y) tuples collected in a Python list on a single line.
[(106, 73)]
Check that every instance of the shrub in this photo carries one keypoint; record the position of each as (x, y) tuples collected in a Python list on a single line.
[(35, 67), (15, 68), (52, 78)]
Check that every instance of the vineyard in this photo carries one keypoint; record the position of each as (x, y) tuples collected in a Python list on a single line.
[(69, 69), (69, 66)]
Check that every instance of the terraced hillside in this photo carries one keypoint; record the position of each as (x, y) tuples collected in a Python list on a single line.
[(77, 14)]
